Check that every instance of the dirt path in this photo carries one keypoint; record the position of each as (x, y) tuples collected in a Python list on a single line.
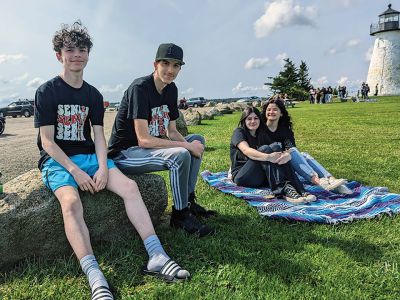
[(18, 149)]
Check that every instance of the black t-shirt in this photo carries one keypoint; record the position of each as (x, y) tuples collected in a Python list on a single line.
[(72, 111), (282, 135), (238, 159), (142, 101)]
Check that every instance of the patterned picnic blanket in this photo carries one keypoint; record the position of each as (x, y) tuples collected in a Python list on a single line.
[(365, 202)]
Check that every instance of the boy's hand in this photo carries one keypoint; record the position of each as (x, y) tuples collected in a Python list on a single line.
[(196, 148), (84, 181), (100, 178)]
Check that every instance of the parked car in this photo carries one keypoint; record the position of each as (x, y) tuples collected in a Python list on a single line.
[(196, 102), (17, 108), (2, 124)]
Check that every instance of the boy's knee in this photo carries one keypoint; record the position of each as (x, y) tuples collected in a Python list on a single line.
[(182, 155), (132, 186), (71, 205), (200, 138), (127, 188), (197, 137)]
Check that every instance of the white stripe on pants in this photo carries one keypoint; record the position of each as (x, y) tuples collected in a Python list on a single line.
[(183, 167)]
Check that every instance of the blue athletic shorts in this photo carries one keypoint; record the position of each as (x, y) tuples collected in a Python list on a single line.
[(55, 175)]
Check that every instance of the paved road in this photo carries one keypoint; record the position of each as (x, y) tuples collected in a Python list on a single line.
[(18, 149)]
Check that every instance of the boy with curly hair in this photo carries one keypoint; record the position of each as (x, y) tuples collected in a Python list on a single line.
[(67, 108)]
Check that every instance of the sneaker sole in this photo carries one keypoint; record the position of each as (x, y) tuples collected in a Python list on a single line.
[(334, 186), (300, 200), (197, 232)]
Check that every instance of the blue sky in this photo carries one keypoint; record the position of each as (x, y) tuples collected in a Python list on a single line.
[(230, 46)]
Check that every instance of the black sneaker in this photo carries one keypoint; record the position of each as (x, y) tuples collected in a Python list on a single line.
[(198, 210), (184, 219), (291, 195)]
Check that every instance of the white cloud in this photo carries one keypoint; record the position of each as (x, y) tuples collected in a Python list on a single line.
[(283, 13), (281, 57), (15, 79), (256, 63), (368, 54), (35, 83), (343, 80), (323, 80), (332, 51), (188, 91), (352, 43), (240, 88), (345, 3), (11, 57), (5, 99), (109, 89)]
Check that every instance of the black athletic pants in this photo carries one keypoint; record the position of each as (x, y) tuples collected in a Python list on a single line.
[(256, 173)]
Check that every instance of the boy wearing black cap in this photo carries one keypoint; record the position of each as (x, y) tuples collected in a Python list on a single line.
[(146, 115)]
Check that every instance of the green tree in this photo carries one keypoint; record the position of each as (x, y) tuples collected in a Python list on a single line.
[(286, 79), (304, 78), (292, 81)]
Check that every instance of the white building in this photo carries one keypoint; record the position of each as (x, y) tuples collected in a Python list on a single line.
[(384, 68)]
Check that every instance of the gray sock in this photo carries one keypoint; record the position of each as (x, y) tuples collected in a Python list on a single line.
[(92, 270), (158, 257)]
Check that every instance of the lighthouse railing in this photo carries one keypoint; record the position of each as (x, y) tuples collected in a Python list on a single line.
[(386, 26)]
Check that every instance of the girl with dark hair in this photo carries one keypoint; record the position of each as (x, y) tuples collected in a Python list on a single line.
[(256, 162), (278, 126)]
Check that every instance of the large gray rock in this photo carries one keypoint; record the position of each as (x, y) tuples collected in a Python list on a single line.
[(181, 124), (206, 115), (210, 104), (31, 222), (192, 117), (224, 108), (214, 111)]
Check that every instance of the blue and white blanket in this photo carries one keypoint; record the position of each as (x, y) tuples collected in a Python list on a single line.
[(365, 202)]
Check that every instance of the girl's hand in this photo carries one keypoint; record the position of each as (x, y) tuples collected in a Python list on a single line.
[(284, 158), (273, 157)]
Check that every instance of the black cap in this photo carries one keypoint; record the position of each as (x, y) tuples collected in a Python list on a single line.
[(170, 51)]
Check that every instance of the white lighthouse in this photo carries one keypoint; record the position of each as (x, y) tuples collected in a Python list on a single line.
[(384, 68)]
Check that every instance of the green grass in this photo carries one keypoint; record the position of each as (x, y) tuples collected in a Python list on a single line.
[(253, 257)]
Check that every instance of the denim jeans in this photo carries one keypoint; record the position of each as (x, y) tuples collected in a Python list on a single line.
[(306, 166)]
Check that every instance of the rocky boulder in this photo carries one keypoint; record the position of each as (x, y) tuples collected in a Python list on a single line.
[(192, 117), (207, 115), (31, 222), (210, 104), (215, 112), (238, 106), (224, 108), (181, 124)]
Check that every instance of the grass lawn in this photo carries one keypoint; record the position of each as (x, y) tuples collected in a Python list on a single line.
[(253, 257)]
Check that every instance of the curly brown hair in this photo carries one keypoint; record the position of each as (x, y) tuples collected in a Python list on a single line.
[(75, 35)]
